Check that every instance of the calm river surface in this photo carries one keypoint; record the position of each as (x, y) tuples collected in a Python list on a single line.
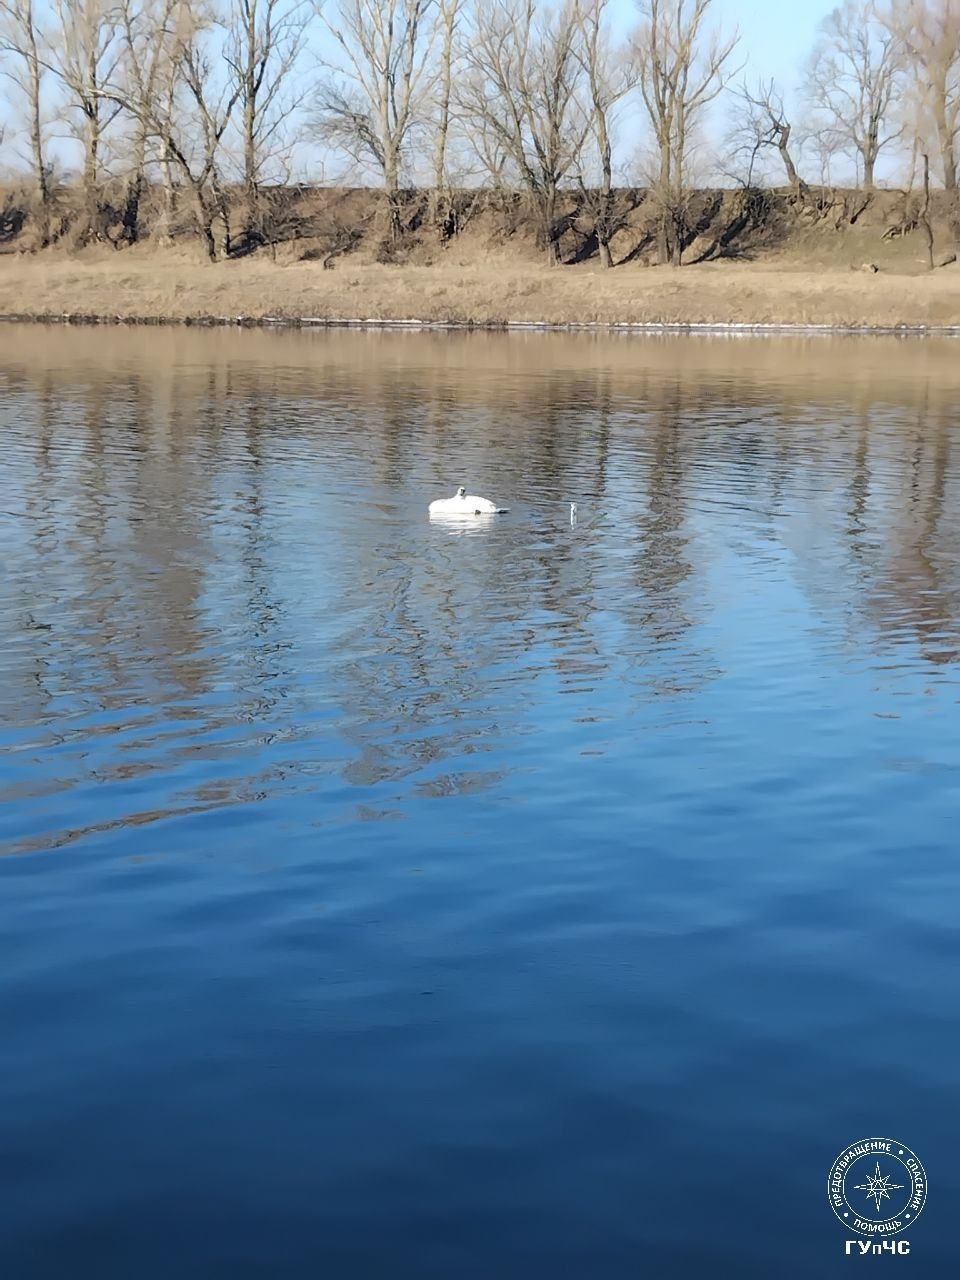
[(385, 899)]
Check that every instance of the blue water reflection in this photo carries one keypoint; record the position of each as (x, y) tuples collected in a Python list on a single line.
[(388, 898)]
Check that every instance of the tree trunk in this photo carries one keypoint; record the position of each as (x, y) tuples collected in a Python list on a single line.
[(923, 218), (165, 233), (438, 199), (953, 217), (91, 105), (91, 194), (664, 247), (548, 226), (678, 228), (39, 166), (167, 161), (91, 168), (223, 209), (249, 147), (783, 146), (130, 215), (251, 186), (394, 221), (391, 183), (204, 216), (604, 221), (948, 157), (130, 218)]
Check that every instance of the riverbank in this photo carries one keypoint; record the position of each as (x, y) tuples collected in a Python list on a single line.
[(176, 287)]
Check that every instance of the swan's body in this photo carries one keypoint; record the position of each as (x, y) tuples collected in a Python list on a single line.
[(464, 504)]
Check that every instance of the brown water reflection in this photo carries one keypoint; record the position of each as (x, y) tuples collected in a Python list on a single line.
[(424, 901), (223, 532)]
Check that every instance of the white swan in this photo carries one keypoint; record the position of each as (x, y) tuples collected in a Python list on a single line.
[(464, 504)]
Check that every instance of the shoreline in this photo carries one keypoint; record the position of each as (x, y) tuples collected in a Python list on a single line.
[(492, 295), (716, 328)]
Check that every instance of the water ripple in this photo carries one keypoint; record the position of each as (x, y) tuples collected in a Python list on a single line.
[(444, 894)]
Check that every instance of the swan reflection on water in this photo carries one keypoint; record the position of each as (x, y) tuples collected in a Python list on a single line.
[(471, 526)]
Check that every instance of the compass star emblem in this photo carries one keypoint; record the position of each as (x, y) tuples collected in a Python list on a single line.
[(878, 1186), (877, 1202)]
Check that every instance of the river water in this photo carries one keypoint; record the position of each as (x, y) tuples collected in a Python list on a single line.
[(525, 898)]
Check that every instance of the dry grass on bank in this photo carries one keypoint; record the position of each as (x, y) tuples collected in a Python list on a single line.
[(176, 285)]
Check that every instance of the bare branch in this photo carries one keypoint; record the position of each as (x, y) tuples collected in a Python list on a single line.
[(682, 67), (520, 98), (376, 88), (928, 31), (761, 123), (264, 42), (607, 72), (851, 83), (21, 39)]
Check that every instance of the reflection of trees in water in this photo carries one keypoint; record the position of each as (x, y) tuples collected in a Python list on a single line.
[(916, 585), (458, 641), (452, 622), (261, 654), (862, 508), (423, 694), (860, 479), (567, 455), (151, 582), (161, 504), (28, 688), (661, 566), (657, 596), (113, 574), (890, 539)]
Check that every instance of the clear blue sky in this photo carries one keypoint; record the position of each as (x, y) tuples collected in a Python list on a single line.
[(776, 35)]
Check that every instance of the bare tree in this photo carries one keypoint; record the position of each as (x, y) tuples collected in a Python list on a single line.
[(84, 50), (606, 71), (821, 147), (21, 40), (851, 83), (143, 85), (761, 124), (210, 107), (449, 13), (923, 216), (167, 84), (929, 32), (264, 40), (681, 67), (519, 94), (376, 87)]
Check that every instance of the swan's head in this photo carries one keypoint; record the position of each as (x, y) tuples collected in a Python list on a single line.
[(461, 492)]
